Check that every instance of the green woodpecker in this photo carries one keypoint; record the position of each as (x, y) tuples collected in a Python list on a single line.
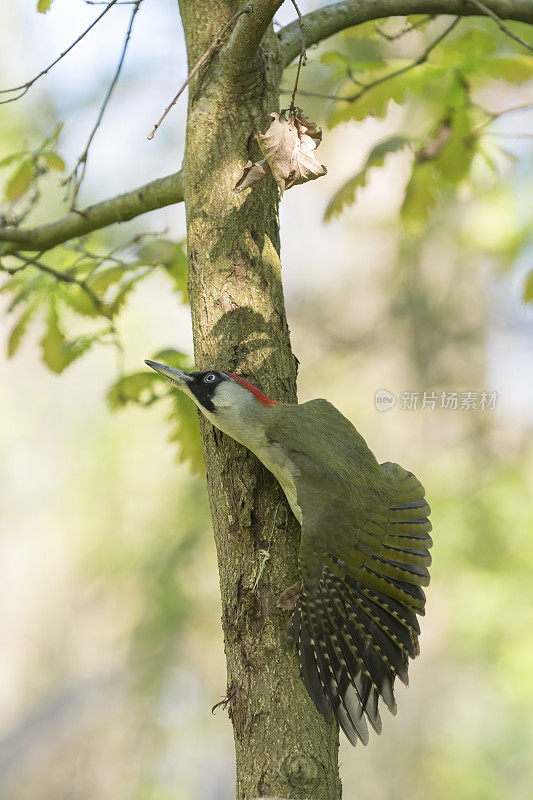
[(364, 549)]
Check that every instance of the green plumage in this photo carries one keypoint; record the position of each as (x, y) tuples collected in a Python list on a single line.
[(363, 560)]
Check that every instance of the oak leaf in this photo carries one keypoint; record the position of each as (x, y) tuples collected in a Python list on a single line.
[(288, 147)]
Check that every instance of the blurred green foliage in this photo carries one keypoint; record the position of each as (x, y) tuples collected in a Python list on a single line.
[(80, 279), (440, 91)]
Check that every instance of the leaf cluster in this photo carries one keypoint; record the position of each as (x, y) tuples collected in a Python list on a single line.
[(24, 169), (75, 284), (144, 388), (449, 136)]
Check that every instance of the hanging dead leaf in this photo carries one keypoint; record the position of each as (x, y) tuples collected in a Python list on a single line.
[(278, 145), (312, 128), (288, 147), (252, 173), (304, 165)]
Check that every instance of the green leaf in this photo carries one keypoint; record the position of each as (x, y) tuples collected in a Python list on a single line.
[(12, 157), (516, 69), (19, 328), (178, 271), (441, 164), (156, 252), (58, 353), (145, 388), (43, 6), (142, 388), (170, 255), (126, 286), (456, 156), (420, 197), (104, 277), (76, 299), (468, 51), (375, 100), (25, 287), (364, 31), (186, 431), (420, 21), (347, 193), (528, 288), (20, 181), (53, 160), (173, 358), (334, 59)]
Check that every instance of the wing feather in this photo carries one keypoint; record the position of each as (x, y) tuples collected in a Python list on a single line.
[(363, 567)]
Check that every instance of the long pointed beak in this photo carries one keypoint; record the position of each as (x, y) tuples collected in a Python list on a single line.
[(177, 376)]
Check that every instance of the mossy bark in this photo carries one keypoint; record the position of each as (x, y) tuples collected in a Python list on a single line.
[(284, 748)]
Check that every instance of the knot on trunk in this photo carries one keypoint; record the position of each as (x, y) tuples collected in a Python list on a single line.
[(302, 771)]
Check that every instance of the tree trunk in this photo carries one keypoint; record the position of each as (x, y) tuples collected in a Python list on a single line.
[(283, 746)]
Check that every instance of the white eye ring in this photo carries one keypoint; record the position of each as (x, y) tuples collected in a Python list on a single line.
[(210, 377)]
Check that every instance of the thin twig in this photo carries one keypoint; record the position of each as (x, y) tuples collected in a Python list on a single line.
[(25, 87), (522, 107), (510, 135), (416, 63), (482, 7), (321, 95), (492, 116), (213, 47), (302, 60), (76, 177)]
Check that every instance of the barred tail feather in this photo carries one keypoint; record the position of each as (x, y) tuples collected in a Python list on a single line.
[(353, 643), (356, 622)]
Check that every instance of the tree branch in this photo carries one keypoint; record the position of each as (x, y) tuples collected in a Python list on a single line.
[(327, 21), (248, 33), (489, 13), (161, 192)]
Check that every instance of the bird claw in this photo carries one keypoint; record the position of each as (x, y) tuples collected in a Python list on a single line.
[(288, 599)]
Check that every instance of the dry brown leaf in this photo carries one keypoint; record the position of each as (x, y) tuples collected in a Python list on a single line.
[(252, 173), (278, 145), (288, 147)]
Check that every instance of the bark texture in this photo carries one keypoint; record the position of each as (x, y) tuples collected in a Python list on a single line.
[(283, 746)]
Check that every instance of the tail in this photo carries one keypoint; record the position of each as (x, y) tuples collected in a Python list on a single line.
[(356, 633)]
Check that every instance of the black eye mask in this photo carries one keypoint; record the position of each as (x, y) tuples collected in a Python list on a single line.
[(204, 391)]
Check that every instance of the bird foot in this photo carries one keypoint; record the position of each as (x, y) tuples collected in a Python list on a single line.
[(288, 599)]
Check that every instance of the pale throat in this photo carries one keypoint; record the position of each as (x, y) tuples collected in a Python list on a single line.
[(245, 421)]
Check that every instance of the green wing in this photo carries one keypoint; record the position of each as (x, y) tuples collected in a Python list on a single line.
[(363, 568)]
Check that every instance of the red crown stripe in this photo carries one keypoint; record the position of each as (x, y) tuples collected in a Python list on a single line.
[(257, 393)]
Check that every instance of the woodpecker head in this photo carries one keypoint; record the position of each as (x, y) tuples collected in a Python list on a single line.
[(230, 402)]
